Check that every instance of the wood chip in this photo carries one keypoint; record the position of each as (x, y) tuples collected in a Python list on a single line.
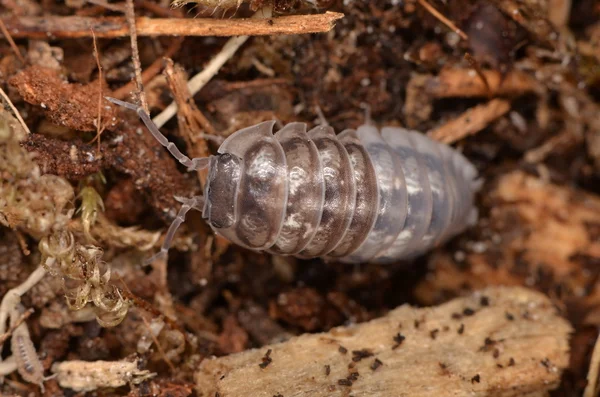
[(470, 122), (298, 369), (84, 376)]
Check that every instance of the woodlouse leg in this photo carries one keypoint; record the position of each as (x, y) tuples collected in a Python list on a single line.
[(189, 203), (191, 164)]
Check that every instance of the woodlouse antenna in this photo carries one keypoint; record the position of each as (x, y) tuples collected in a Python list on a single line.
[(197, 163)]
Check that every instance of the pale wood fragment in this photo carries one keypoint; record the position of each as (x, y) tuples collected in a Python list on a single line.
[(467, 347), (470, 122), (84, 376)]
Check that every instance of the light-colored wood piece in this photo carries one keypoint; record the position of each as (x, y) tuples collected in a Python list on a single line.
[(435, 358)]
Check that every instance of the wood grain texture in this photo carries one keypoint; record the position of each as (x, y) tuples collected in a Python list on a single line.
[(113, 27), (503, 341)]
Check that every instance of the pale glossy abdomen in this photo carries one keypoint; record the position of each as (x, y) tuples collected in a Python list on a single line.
[(363, 195)]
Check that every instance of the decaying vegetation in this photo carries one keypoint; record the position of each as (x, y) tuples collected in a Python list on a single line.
[(86, 194)]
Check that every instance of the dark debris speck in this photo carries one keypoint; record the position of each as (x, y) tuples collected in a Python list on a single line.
[(398, 339), (266, 360), (344, 382), (484, 301), (456, 316), (468, 311), (461, 329), (476, 379), (376, 364), (433, 333), (358, 355)]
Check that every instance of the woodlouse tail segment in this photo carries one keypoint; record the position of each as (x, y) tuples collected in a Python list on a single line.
[(195, 164), (197, 203)]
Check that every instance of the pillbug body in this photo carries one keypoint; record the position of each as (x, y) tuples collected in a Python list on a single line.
[(363, 195)]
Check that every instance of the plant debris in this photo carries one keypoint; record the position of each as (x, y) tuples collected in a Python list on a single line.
[(514, 85)]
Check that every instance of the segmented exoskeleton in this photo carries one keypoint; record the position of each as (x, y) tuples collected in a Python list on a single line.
[(362, 195)]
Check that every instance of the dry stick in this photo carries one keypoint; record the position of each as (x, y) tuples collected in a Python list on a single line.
[(99, 129), (210, 70), (150, 71), (10, 40), (456, 82), (113, 27), (19, 321), (443, 19), (199, 80), (15, 111), (135, 55), (593, 386), (475, 65), (470, 122)]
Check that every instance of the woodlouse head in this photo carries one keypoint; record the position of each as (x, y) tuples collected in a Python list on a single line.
[(220, 191)]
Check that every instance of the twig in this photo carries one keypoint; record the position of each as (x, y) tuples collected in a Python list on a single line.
[(161, 351), (199, 80), (470, 122), (15, 111), (190, 119), (593, 385), (113, 27), (443, 19), (466, 83), (10, 40), (19, 321), (150, 71), (475, 65), (99, 128), (135, 55)]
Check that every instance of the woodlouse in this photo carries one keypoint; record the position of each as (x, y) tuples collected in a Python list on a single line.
[(28, 363), (362, 195)]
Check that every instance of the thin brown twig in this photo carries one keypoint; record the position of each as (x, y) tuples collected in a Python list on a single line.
[(22, 243), (470, 122), (443, 19), (135, 55), (152, 70), (15, 111), (72, 27), (12, 43), (99, 128), (475, 65), (142, 304), (14, 326)]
